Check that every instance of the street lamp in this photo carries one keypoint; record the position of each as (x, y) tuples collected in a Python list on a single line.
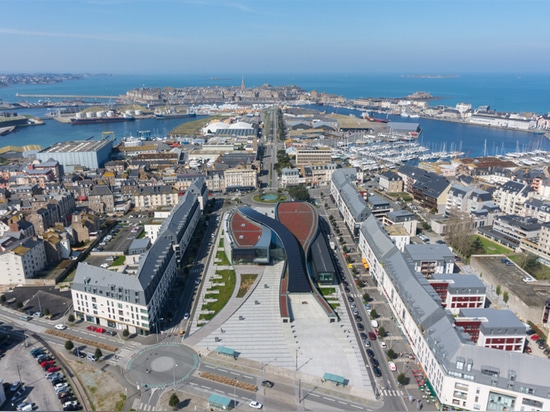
[(174, 375)]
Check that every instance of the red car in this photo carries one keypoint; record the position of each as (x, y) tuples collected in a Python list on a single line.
[(100, 330), (53, 369), (46, 363), (372, 336), (92, 328)]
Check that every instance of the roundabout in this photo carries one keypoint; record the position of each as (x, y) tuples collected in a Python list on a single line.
[(161, 366), (270, 197)]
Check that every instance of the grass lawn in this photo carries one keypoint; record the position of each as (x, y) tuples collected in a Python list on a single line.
[(246, 282), (327, 291), (221, 242), (118, 261), (224, 292), (540, 272), (493, 248), (221, 258), (192, 127)]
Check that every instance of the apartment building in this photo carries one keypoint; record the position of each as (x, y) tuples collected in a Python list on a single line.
[(21, 259), (136, 301), (153, 197)]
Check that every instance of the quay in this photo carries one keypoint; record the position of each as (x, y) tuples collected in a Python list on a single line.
[(65, 96)]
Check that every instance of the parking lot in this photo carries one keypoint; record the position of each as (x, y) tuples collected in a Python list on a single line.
[(39, 299), (18, 365)]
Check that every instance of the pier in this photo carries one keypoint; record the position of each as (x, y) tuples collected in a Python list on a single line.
[(65, 96)]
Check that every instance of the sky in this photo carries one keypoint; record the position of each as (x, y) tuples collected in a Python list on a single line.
[(274, 36)]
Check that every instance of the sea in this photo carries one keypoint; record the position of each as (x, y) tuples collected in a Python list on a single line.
[(512, 93)]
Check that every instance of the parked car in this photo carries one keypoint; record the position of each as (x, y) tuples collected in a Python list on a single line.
[(14, 386), (370, 353), (392, 366), (374, 362), (25, 406), (360, 326), (377, 372), (61, 385), (78, 353), (20, 392), (53, 369), (367, 343), (255, 405), (91, 357), (267, 384), (372, 336), (37, 351)]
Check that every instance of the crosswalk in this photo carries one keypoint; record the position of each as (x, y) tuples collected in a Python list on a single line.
[(391, 392)]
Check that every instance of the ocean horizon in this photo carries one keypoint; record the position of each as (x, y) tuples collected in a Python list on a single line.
[(503, 92)]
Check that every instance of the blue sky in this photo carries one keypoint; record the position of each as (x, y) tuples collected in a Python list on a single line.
[(274, 36)]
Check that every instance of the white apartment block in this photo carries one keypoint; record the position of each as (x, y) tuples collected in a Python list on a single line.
[(153, 197), (290, 177), (511, 196), (241, 177), (463, 375), (21, 260)]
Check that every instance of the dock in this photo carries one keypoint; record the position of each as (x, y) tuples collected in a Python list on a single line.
[(65, 96)]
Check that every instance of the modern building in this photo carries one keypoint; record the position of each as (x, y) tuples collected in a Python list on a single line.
[(320, 156), (431, 258), (136, 301), (495, 329), (352, 207), (403, 218), (459, 291), (463, 375), (90, 154), (293, 237)]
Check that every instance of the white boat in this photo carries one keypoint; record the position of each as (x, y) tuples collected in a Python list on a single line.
[(6, 130)]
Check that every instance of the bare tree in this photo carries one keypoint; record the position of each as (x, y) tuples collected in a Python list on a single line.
[(460, 228)]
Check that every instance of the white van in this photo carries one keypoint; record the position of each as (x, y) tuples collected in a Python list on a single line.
[(374, 323)]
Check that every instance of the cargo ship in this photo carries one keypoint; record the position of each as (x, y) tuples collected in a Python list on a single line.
[(101, 117)]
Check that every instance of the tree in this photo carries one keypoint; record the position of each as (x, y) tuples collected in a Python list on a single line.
[(69, 345), (125, 333), (505, 296), (71, 318), (19, 304), (98, 354), (391, 353), (2, 298), (299, 192), (401, 379), (174, 401), (381, 331), (373, 314), (46, 312), (499, 289), (460, 228), (366, 297)]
